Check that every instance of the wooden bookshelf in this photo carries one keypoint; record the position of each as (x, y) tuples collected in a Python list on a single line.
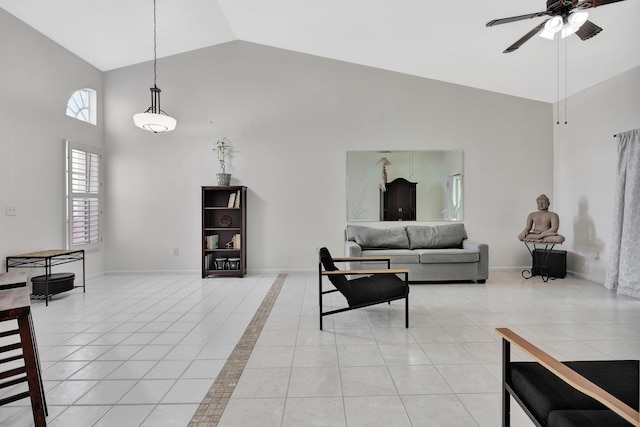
[(224, 212)]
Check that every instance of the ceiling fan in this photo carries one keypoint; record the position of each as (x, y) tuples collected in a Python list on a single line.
[(566, 17)]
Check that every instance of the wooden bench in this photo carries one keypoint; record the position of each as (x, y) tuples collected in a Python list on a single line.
[(602, 393)]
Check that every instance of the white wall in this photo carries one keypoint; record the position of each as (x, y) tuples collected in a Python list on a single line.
[(585, 168), (291, 118), (37, 77)]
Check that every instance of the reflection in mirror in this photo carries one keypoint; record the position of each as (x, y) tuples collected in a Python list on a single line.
[(437, 174)]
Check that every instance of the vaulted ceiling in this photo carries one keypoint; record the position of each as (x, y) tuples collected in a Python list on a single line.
[(442, 40)]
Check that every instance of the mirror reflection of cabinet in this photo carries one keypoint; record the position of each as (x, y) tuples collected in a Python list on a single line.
[(433, 171), (398, 201)]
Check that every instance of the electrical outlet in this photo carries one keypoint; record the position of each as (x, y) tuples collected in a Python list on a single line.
[(11, 211), (175, 251)]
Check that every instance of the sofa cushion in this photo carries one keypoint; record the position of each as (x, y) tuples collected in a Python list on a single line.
[(586, 418), (438, 237), (398, 256), (368, 237), (544, 392), (447, 256)]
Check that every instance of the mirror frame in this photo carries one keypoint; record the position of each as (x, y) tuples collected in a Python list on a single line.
[(438, 173)]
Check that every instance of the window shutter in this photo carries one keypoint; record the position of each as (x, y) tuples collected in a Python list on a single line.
[(84, 210)]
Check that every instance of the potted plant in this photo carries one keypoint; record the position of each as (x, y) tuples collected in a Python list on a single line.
[(222, 148)]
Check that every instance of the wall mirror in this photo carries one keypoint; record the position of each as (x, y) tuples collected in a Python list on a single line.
[(438, 178)]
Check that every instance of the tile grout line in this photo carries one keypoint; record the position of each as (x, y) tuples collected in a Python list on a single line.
[(213, 405)]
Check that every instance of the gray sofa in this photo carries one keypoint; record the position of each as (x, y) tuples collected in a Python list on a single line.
[(431, 253)]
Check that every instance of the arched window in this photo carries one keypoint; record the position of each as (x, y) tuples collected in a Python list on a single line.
[(82, 105)]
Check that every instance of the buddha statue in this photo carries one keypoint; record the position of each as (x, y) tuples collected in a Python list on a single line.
[(542, 225)]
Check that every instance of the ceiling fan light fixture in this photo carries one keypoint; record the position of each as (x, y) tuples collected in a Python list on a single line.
[(574, 21), (577, 18), (551, 27), (554, 24)]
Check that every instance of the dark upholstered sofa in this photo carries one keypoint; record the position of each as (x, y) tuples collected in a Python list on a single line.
[(596, 393), (431, 253)]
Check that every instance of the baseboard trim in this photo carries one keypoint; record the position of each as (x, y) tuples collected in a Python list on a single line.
[(124, 272), (586, 277)]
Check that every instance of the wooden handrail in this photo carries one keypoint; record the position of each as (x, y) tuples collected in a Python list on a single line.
[(571, 377)]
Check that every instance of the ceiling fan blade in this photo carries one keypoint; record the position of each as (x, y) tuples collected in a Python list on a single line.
[(517, 18), (588, 30), (596, 3), (522, 40)]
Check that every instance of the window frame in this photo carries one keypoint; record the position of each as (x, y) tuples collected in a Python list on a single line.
[(82, 100), (93, 220)]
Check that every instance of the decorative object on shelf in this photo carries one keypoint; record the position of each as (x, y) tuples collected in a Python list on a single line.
[(225, 221), (154, 119), (384, 162), (212, 241), (234, 263), (222, 148)]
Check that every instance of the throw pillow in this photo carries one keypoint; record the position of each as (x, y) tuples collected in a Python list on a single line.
[(367, 237), (438, 237)]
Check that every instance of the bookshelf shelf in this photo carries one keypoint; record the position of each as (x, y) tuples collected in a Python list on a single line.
[(224, 222)]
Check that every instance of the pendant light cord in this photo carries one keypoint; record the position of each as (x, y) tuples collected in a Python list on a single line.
[(558, 83), (566, 72), (155, 74), (566, 80)]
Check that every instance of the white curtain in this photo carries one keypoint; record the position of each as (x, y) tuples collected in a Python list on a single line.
[(624, 268)]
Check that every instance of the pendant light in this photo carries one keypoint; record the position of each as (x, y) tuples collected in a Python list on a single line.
[(155, 119)]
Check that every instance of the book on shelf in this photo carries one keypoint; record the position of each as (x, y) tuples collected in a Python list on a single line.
[(212, 241), (232, 200), (208, 262), (237, 238), (237, 204)]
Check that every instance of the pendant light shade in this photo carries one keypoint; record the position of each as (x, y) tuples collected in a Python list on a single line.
[(154, 119)]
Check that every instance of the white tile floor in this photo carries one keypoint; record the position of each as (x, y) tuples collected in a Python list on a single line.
[(136, 350), (142, 350)]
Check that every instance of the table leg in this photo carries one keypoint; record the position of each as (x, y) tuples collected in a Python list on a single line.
[(47, 274), (84, 283), (528, 273)]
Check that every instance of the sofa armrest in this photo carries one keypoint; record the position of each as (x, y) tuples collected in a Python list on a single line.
[(483, 263), (353, 250)]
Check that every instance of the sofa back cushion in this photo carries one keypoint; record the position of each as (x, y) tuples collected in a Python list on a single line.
[(368, 237), (437, 237)]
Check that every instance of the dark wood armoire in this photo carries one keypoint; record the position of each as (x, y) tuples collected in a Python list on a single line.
[(398, 201)]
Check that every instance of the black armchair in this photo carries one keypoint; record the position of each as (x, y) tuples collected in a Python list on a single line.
[(593, 393), (377, 286)]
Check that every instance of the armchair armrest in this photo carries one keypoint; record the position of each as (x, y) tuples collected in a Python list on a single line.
[(376, 271), (571, 377), (362, 258)]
